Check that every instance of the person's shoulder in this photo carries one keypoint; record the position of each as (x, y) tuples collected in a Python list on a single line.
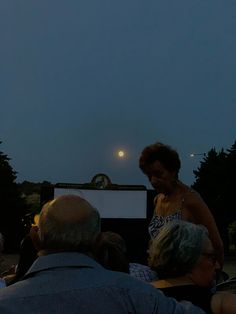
[(132, 284), (158, 197), (12, 291), (148, 299), (224, 302), (191, 196), (126, 280), (142, 272)]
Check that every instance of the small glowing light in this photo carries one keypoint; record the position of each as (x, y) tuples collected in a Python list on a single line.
[(197, 154), (121, 153), (36, 220)]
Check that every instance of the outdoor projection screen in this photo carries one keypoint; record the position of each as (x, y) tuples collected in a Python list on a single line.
[(112, 203)]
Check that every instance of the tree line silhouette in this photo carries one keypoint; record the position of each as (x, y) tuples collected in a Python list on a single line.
[(215, 180)]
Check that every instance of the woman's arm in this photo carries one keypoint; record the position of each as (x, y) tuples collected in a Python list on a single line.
[(223, 303), (200, 214)]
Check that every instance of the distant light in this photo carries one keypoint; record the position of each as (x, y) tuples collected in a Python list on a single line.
[(197, 154)]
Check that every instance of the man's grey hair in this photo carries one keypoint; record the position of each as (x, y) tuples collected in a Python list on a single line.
[(57, 233), (177, 248)]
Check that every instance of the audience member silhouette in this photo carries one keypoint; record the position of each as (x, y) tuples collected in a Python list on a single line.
[(65, 279), (185, 261), (111, 252), (29, 248)]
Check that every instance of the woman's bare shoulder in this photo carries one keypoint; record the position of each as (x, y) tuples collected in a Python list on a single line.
[(224, 303), (188, 193), (193, 204), (158, 197), (192, 196)]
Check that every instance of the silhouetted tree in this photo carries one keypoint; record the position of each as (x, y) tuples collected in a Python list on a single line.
[(216, 182), (210, 178), (12, 206), (230, 183), (31, 191)]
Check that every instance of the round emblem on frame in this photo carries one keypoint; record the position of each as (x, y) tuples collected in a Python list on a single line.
[(101, 180)]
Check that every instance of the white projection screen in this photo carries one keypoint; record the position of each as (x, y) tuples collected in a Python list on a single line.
[(112, 203)]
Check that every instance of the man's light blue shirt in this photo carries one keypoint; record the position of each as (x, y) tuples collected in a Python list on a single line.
[(70, 282)]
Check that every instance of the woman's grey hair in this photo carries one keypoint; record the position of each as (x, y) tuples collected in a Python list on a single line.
[(68, 235), (177, 248)]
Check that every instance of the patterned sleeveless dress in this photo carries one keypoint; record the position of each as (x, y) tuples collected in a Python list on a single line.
[(158, 222)]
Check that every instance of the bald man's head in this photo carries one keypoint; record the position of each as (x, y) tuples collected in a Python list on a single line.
[(68, 223)]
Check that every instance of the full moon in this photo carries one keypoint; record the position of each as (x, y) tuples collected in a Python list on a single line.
[(121, 154)]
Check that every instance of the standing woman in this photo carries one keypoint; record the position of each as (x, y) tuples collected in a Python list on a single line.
[(175, 200)]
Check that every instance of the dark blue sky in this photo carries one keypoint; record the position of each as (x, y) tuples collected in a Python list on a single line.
[(80, 79)]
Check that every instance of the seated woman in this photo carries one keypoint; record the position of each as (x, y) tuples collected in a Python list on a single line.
[(29, 248), (110, 251), (186, 263)]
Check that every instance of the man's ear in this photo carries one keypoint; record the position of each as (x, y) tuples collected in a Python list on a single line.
[(35, 237)]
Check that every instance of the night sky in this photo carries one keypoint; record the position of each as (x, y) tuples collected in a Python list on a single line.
[(81, 79)]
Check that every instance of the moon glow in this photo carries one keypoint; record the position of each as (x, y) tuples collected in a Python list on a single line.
[(121, 154)]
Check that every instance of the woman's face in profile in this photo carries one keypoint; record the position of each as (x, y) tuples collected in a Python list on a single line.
[(160, 178), (204, 271)]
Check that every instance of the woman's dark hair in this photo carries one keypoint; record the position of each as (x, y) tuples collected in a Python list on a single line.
[(166, 155), (110, 252)]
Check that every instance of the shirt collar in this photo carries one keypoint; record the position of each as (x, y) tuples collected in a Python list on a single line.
[(65, 259)]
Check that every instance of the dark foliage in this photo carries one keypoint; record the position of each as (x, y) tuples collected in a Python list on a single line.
[(216, 182), (28, 188), (12, 206)]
